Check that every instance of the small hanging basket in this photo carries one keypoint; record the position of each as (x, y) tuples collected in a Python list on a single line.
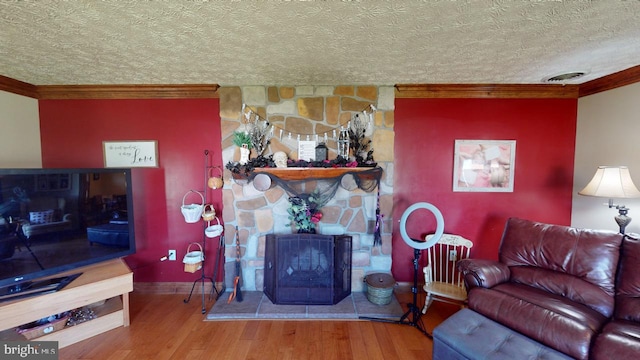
[(208, 213), (215, 180), (214, 230), (193, 259), (192, 212)]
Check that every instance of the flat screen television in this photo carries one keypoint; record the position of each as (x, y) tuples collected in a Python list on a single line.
[(57, 220)]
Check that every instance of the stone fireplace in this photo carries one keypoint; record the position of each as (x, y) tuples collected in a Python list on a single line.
[(258, 213)]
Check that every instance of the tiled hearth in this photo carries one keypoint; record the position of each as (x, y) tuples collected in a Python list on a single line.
[(256, 305), (306, 110)]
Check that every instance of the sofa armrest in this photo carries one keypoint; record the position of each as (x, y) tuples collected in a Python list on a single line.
[(483, 273)]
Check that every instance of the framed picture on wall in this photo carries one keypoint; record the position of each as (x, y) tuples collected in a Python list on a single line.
[(139, 153), (484, 165)]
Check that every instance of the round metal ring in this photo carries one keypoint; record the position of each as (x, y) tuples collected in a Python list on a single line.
[(439, 226)]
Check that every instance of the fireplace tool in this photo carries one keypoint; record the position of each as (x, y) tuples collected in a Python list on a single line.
[(413, 316), (219, 256)]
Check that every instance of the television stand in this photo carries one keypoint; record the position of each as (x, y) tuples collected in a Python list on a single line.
[(111, 281)]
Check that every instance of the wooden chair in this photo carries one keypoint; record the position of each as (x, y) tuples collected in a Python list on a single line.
[(442, 281)]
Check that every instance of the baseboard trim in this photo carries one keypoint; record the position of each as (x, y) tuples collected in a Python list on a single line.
[(173, 287)]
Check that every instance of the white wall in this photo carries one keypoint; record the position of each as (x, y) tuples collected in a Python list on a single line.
[(20, 132), (608, 133)]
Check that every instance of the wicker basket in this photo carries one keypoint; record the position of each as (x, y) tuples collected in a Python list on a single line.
[(43, 327), (192, 212), (214, 230), (193, 259), (215, 181), (380, 288), (208, 213)]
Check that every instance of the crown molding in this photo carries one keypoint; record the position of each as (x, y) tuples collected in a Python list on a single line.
[(609, 82), (18, 87), (486, 91), (127, 91)]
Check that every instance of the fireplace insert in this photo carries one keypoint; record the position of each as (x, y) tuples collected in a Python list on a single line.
[(307, 269)]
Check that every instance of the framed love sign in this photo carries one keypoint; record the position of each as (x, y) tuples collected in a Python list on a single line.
[(138, 153)]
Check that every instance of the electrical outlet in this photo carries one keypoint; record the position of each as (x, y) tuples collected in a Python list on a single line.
[(453, 255), (172, 255)]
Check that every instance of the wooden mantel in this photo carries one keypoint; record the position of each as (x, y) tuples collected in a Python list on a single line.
[(299, 173), (264, 178)]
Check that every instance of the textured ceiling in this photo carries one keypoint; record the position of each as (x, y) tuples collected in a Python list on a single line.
[(314, 42)]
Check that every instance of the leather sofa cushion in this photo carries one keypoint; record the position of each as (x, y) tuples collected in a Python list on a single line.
[(591, 255), (559, 283), (628, 297), (619, 340), (550, 319)]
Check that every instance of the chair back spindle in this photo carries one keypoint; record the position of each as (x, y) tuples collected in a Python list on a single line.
[(442, 281)]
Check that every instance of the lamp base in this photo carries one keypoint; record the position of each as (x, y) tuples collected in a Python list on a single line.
[(622, 219)]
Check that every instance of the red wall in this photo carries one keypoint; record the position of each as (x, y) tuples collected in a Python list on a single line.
[(425, 132), (72, 132)]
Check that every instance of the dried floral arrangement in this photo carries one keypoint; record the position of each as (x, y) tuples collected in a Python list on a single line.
[(304, 212)]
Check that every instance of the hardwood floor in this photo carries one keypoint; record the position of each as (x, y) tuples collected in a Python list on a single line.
[(163, 327)]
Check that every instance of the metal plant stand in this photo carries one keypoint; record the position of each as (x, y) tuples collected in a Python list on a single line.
[(203, 277)]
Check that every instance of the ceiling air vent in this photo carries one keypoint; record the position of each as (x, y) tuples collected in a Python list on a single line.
[(564, 77)]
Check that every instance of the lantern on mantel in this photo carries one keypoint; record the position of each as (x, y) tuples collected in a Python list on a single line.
[(322, 152)]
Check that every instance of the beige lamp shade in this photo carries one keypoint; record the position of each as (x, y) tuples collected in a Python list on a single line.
[(611, 182)]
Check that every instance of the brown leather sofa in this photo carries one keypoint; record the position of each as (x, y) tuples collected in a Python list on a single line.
[(620, 338), (574, 290)]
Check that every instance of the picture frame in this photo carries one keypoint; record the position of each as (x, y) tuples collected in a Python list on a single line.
[(484, 165), (52, 182), (128, 154)]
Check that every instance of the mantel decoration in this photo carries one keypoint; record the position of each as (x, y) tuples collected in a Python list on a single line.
[(256, 132), (243, 141), (359, 143), (269, 162), (256, 129), (304, 212)]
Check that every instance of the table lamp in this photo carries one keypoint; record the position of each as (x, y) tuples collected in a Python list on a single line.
[(613, 182)]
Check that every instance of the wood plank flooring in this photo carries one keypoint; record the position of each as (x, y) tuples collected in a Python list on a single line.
[(164, 327)]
